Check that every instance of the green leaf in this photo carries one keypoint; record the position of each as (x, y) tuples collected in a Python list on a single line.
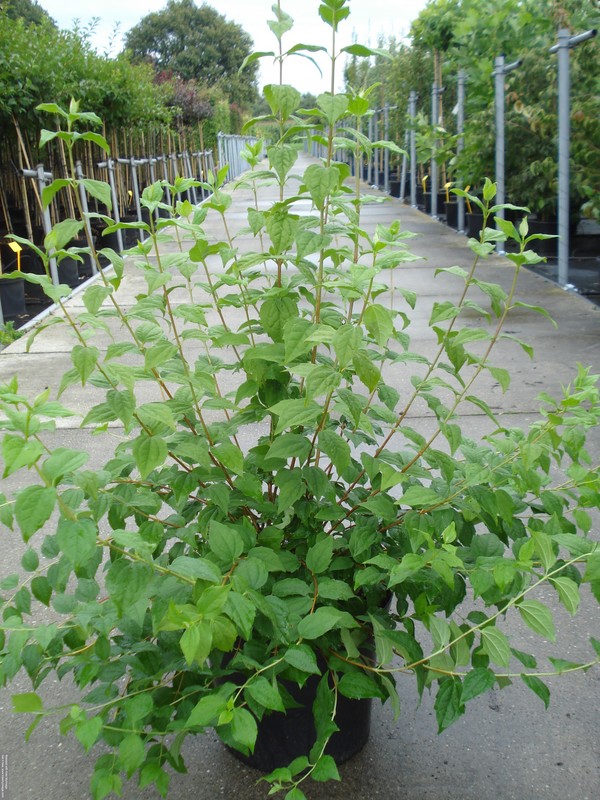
[(495, 645), (291, 488), (94, 296), (206, 711), (289, 445), (319, 555), (196, 643), (295, 335), (295, 794), (243, 728), (302, 657), (41, 589), (568, 593), (49, 192), (282, 158), (333, 106), (149, 452), (281, 227), (321, 621), (359, 685), (62, 234), (448, 705), (538, 617), (476, 682), (18, 452), (131, 753), (33, 508), (225, 542), (325, 770), (419, 496), (27, 703), (332, 12), (321, 182), (346, 343), (525, 658), (99, 190), (242, 612), (366, 370), (196, 569), (538, 687), (275, 312), (293, 413), (282, 99), (84, 360), (265, 693), (30, 560), (88, 732), (336, 448), (61, 462), (77, 540), (230, 456), (378, 321), (159, 354)]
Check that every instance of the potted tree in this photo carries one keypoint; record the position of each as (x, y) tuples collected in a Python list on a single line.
[(272, 525)]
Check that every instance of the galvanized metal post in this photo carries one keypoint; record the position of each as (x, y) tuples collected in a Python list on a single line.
[(386, 152), (500, 70), (412, 104), (564, 44), (85, 209), (109, 164), (370, 164), (402, 192), (375, 154), (44, 178), (433, 187), (460, 126)]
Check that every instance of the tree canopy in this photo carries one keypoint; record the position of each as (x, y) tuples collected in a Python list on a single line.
[(27, 10), (196, 43)]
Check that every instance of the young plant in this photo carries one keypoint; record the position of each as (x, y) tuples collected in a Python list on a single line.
[(271, 512)]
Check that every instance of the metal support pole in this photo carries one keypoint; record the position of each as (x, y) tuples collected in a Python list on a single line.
[(84, 206), (43, 178), (412, 104), (402, 192), (370, 164), (433, 187), (500, 70), (110, 167), (460, 125), (562, 47), (375, 153), (386, 152)]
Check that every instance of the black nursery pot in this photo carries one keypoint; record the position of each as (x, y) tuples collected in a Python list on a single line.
[(284, 737), (12, 298), (451, 211), (474, 224)]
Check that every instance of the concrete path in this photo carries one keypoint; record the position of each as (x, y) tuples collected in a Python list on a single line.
[(506, 747)]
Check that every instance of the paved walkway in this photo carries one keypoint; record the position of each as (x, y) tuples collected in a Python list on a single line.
[(506, 747)]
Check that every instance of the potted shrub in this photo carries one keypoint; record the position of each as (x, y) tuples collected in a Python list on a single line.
[(271, 518)]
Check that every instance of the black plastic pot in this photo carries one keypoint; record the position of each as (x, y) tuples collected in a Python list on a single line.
[(451, 211), (12, 298), (548, 248), (68, 272), (474, 224), (441, 199), (395, 188), (284, 737)]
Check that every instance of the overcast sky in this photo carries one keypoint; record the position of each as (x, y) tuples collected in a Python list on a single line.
[(368, 19)]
